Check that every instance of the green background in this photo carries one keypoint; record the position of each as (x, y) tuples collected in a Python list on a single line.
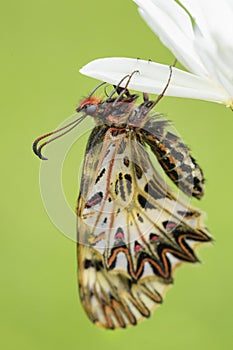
[(43, 46)]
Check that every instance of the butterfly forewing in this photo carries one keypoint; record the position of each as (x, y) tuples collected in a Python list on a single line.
[(133, 230)]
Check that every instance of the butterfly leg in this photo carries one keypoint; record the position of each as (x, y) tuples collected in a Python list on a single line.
[(145, 97), (150, 104), (165, 88)]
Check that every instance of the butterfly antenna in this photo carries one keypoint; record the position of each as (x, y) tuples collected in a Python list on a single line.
[(96, 88), (105, 91), (37, 150)]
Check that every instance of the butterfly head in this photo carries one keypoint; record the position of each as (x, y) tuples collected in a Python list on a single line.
[(89, 106)]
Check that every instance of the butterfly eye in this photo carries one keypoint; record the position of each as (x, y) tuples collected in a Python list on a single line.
[(90, 109)]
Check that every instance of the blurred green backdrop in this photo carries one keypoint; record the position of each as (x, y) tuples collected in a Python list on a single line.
[(44, 44)]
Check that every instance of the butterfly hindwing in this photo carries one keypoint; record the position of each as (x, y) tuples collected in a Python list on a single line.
[(132, 230)]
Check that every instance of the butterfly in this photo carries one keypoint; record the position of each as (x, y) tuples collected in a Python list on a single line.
[(133, 228)]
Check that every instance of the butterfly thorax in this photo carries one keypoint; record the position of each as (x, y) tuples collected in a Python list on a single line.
[(120, 114), (123, 115)]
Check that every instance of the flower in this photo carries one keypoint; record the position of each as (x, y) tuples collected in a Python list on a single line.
[(199, 33)]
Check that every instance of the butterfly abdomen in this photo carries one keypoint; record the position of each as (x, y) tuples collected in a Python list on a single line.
[(174, 157), (180, 166)]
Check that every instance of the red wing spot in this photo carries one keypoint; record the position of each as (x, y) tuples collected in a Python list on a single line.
[(94, 200), (137, 247), (154, 237), (119, 234), (126, 161), (169, 225)]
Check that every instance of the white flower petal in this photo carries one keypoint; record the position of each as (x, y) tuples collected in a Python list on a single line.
[(225, 56), (163, 21), (213, 17), (204, 47), (153, 77), (176, 13), (218, 61), (195, 10)]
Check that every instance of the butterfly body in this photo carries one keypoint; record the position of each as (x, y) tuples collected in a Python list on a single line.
[(133, 230)]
